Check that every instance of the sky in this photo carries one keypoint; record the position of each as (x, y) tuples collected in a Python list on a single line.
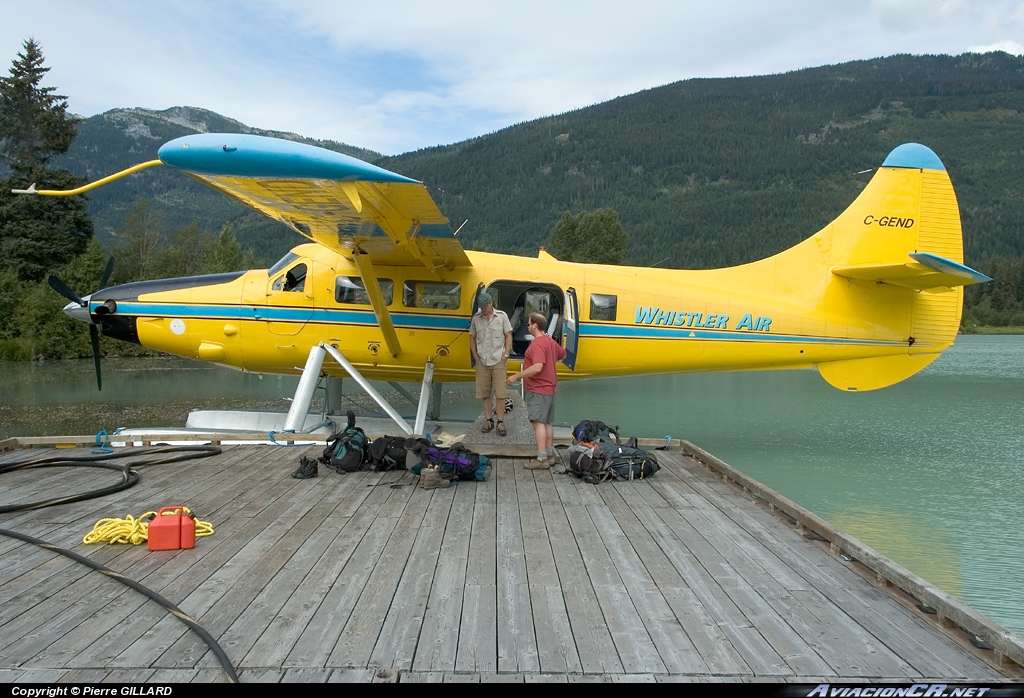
[(396, 76)]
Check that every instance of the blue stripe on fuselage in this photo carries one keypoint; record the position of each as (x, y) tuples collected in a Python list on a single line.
[(279, 314), (448, 322), (647, 332)]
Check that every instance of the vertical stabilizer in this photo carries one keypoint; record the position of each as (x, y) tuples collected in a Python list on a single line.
[(880, 289)]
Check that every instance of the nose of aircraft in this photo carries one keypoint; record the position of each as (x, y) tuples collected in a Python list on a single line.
[(78, 312)]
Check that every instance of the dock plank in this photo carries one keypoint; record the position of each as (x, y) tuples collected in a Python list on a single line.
[(530, 577)]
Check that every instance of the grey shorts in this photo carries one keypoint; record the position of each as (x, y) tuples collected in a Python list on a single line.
[(540, 408)]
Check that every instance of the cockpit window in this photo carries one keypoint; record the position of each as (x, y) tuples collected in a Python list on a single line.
[(282, 263), (293, 280)]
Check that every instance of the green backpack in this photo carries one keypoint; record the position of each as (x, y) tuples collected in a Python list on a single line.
[(346, 450)]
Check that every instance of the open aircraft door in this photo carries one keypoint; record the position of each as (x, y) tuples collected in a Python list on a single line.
[(572, 328)]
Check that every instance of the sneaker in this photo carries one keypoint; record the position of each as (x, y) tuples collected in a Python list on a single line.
[(307, 468), (501, 428), (487, 426), (538, 464)]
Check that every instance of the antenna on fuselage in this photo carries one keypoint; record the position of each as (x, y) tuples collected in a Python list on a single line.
[(461, 226)]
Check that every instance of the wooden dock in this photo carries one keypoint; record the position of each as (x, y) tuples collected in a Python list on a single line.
[(531, 576)]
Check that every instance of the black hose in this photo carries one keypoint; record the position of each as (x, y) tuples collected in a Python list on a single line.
[(129, 478), (175, 611)]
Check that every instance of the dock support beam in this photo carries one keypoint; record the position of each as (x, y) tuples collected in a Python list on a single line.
[(333, 394), (434, 411)]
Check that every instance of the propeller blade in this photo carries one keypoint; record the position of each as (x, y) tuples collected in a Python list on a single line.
[(64, 290), (106, 273), (94, 336)]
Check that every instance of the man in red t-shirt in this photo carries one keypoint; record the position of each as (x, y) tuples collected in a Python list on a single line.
[(540, 380)]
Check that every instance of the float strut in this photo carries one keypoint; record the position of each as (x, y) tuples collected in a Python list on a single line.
[(365, 385), (304, 392), (421, 411)]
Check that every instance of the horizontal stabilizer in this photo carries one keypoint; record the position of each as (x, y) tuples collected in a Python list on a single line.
[(927, 271)]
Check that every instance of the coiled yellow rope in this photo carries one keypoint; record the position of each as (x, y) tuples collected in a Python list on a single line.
[(134, 530)]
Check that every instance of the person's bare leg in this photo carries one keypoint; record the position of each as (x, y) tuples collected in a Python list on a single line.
[(549, 439), (540, 433)]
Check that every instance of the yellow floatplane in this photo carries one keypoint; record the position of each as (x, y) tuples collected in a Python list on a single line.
[(384, 287)]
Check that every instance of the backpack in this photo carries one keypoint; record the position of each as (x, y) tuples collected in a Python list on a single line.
[(396, 452), (588, 462), (590, 430), (387, 453), (458, 463), (346, 450), (626, 461)]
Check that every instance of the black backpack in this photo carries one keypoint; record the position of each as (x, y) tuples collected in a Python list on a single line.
[(393, 452), (590, 430), (588, 462), (346, 450), (626, 461)]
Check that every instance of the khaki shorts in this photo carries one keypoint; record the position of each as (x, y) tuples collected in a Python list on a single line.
[(491, 379), (540, 408)]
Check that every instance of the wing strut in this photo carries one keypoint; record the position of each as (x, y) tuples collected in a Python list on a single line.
[(380, 308)]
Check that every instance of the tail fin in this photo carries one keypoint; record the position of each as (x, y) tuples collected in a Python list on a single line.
[(896, 257)]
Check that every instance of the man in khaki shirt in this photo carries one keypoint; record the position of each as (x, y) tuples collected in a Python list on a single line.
[(490, 341)]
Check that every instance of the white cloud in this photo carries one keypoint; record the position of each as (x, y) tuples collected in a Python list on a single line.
[(1014, 47), (402, 74)]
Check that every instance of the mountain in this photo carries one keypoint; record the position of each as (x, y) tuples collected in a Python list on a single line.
[(703, 172), (714, 172), (120, 138)]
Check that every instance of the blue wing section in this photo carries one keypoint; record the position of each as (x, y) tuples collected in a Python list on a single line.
[(333, 199)]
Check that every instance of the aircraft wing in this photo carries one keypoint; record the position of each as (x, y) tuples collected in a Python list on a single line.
[(338, 201), (927, 272)]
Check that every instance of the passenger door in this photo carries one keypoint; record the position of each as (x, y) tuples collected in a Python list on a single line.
[(572, 329)]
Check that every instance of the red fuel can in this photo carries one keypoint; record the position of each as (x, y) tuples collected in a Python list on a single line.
[(172, 529)]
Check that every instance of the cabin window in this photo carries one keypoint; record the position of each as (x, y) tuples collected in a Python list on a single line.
[(603, 306), (443, 295), (292, 280), (350, 289), (282, 263)]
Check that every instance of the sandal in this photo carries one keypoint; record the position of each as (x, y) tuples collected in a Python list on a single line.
[(487, 426), (501, 428)]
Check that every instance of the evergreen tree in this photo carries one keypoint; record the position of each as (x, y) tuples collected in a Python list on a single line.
[(138, 244), (33, 120), (226, 254), (37, 234), (595, 237)]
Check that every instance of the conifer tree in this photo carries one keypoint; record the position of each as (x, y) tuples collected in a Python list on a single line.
[(595, 237), (37, 234)]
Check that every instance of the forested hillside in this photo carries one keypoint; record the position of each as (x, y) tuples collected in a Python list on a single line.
[(716, 172)]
